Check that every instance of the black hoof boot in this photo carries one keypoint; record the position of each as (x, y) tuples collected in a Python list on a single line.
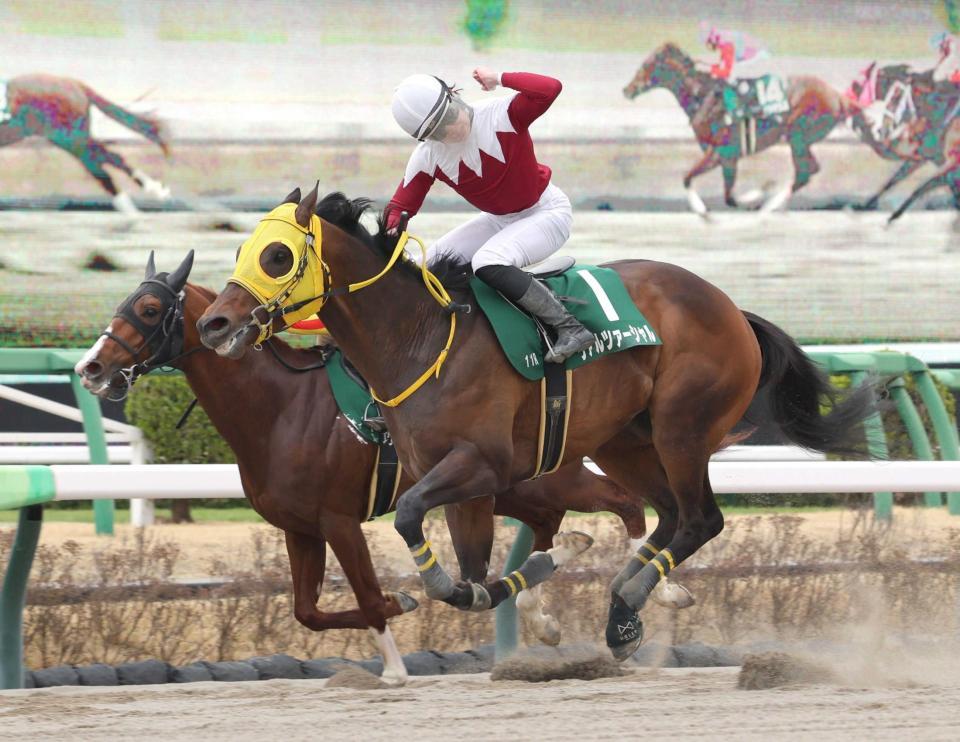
[(624, 629)]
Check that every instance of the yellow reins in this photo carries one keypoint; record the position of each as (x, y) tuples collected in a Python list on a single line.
[(291, 300), (438, 292)]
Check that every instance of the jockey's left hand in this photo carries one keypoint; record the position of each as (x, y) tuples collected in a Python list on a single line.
[(487, 78)]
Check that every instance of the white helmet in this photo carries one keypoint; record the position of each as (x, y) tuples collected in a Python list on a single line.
[(419, 104)]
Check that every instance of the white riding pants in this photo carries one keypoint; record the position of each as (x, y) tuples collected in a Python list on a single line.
[(520, 239)]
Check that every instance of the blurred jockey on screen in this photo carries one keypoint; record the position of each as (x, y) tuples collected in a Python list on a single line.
[(948, 66), (735, 47)]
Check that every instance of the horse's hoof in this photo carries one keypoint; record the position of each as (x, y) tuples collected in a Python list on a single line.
[(394, 680), (469, 596), (569, 545), (406, 602), (481, 598), (624, 630), (671, 595), (549, 633), (577, 541)]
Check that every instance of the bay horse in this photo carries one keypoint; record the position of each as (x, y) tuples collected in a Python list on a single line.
[(321, 499), (468, 426), (815, 109), (933, 136), (58, 109)]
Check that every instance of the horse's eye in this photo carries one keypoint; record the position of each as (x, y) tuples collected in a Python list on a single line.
[(150, 312), (280, 257)]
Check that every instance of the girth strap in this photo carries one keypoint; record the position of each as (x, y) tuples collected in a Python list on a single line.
[(385, 480), (556, 389)]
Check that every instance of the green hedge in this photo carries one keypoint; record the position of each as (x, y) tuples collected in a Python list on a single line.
[(155, 406)]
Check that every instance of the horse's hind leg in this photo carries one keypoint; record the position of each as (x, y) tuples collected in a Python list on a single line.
[(471, 529), (632, 461), (151, 186), (906, 169), (78, 145), (709, 161), (805, 165), (944, 177)]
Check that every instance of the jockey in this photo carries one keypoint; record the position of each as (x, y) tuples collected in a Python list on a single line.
[(734, 47), (948, 66), (485, 153)]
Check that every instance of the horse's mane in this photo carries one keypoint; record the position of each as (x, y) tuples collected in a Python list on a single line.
[(346, 213), (206, 293)]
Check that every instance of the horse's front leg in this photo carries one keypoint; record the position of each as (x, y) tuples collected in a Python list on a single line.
[(350, 547), (308, 556), (471, 529), (462, 474), (907, 168)]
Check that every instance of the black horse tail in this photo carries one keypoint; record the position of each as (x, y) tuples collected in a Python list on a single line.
[(800, 390)]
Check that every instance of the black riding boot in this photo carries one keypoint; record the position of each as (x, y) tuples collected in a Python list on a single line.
[(572, 337)]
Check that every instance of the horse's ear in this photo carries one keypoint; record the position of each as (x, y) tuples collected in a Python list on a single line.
[(178, 279), (293, 197), (151, 268), (307, 206)]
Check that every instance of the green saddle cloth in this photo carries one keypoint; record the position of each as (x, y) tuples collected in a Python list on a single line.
[(608, 312), (758, 97), (354, 400)]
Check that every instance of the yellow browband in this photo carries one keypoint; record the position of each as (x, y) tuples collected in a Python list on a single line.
[(280, 225)]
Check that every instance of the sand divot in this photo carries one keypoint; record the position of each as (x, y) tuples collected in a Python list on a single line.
[(356, 678), (582, 666), (776, 669)]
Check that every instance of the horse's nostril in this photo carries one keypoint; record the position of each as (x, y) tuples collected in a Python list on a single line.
[(92, 370)]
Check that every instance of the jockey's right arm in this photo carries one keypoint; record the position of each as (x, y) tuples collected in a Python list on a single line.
[(412, 190), (948, 63)]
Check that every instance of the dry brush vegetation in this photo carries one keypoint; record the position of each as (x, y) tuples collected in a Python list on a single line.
[(764, 579)]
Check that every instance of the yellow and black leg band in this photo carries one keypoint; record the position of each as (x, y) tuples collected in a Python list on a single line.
[(515, 582), (664, 562), (436, 582), (646, 552)]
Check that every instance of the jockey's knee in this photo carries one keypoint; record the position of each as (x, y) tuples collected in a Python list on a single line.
[(507, 279)]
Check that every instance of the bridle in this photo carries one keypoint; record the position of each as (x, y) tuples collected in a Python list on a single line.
[(273, 307), (164, 341)]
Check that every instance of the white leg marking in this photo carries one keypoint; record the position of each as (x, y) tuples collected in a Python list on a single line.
[(124, 204), (777, 200), (151, 186), (394, 671), (696, 203)]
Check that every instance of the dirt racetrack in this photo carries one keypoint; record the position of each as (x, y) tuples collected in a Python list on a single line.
[(684, 703)]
